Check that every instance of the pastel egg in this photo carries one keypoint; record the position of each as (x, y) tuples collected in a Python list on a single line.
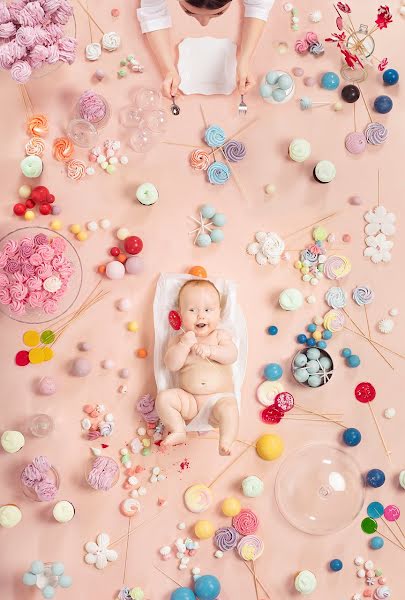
[(278, 95), (301, 375), (284, 82)]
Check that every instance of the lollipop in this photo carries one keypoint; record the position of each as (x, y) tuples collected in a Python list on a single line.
[(198, 498), (175, 321), (250, 547), (365, 393), (199, 160), (246, 522), (392, 514), (284, 401), (226, 538)]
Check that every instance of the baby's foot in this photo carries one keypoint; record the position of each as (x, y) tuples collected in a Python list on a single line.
[(175, 438), (225, 446)]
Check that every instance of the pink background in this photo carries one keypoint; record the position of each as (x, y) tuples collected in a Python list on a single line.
[(298, 201)]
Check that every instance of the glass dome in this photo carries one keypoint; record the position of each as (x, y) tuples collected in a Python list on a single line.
[(319, 489)]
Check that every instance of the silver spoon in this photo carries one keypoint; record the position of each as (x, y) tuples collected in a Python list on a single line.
[(174, 107)]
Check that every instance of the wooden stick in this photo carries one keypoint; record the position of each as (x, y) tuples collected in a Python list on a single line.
[(235, 176), (390, 540), (206, 126), (320, 415), (90, 16), (168, 576), (400, 528), (374, 342), (136, 528), (234, 136), (88, 19), (180, 145), (260, 582), (311, 225), (365, 104), (393, 532), (368, 323), (255, 579), (126, 553), (229, 466), (310, 419), (388, 452), (370, 341), (29, 102)]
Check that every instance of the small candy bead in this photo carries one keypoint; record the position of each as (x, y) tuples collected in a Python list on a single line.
[(75, 228), (368, 565), (359, 561)]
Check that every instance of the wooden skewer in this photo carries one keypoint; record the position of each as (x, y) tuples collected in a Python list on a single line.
[(400, 528), (368, 323), (387, 452), (260, 582), (131, 531), (255, 579), (390, 540), (310, 420), (370, 341), (320, 415), (393, 532), (230, 465), (374, 342), (365, 103), (235, 176), (206, 126), (311, 225), (90, 16), (234, 136), (168, 576), (180, 145), (126, 553)]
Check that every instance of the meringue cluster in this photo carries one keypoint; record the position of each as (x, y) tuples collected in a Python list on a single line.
[(32, 35)]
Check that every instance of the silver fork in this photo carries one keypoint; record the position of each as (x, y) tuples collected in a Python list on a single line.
[(242, 108)]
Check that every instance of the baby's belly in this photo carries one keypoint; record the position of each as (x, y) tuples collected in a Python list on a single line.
[(201, 377)]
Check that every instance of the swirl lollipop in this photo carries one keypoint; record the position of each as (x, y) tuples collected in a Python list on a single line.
[(199, 160), (246, 522), (37, 125), (250, 548), (198, 498), (365, 393), (226, 538), (363, 295)]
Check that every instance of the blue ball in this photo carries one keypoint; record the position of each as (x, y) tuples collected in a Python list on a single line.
[(265, 90), (311, 342), (203, 240), (284, 81), (352, 436), (383, 104), (375, 510), (37, 567), (353, 361), (330, 81), (376, 542), (57, 568), (327, 334), (183, 593), (29, 579), (346, 352), (219, 219), (336, 565), (207, 211), (302, 338), (390, 77), (375, 478), (48, 592), (216, 235), (278, 95), (272, 330), (273, 371), (311, 328), (65, 581), (321, 344), (207, 587), (272, 77)]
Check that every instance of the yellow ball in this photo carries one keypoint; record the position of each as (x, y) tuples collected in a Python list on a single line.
[(36, 356), (75, 228), (269, 446), (146, 442), (133, 326), (122, 233), (204, 530), (317, 335), (56, 224), (48, 353), (29, 215), (305, 270), (231, 507), (298, 264), (82, 236), (24, 192)]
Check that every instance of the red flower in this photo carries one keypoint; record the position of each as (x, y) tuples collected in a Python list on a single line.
[(383, 64), (345, 8), (351, 59), (384, 17), (336, 37), (339, 23)]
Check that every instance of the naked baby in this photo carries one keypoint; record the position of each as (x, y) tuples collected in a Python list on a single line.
[(202, 359)]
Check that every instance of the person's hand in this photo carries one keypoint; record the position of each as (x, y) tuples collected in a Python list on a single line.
[(170, 85), (244, 79), (202, 350), (188, 339)]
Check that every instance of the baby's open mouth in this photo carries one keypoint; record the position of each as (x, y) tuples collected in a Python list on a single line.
[(201, 325)]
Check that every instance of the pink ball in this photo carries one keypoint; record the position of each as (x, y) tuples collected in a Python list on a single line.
[(80, 367), (356, 200), (368, 593), (346, 237), (310, 81), (298, 71), (99, 74), (46, 386), (134, 265), (115, 270)]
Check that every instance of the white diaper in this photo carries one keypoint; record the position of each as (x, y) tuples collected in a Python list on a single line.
[(233, 320)]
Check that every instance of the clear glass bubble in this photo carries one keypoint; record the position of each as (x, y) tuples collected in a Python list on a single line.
[(41, 425), (82, 133), (131, 116), (156, 121), (142, 140), (319, 489), (148, 99)]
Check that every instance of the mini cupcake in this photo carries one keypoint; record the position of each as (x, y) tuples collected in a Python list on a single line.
[(10, 516), (12, 441), (63, 511), (299, 150), (305, 582), (324, 171)]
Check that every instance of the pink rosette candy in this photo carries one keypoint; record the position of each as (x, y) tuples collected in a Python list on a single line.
[(301, 46), (53, 54), (40, 239), (67, 49), (50, 306), (246, 522), (27, 270), (17, 307), (10, 248), (42, 464), (91, 107), (4, 280), (45, 491), (4, 13), (36, 299), (44, 271), (12, 266), (38, 56), (18, 291), (31, 15), (54, 31), (5, 297), (14, 9), (26, 248), (25, 36), (59, 245), (30, 475), (311, 38), (50, 6), (34, 283), (146, 406), (21, 71), (46, 252), (7, 30), (35, 259)]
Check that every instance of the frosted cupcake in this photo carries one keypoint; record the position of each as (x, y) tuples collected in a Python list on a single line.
[(305, 583), (10, 516), (325, 171), (12, 441), (63, 511), (299, 150)]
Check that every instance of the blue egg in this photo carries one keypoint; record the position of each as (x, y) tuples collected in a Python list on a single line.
[(57, 568), (29, 579), (203, 240), (346, 352), (183, 593), (313, 353), (284, 82), (272, 330), (390, 77), (278, 95), (383, 104), (207, 587), (314, 381), (311, 328), (301, 338), (312, 367), (48, 592), (272, 77), (352, 436), (311, 342), (353, 361), (265, 90), (207, 211), (336, 565), (375, 510), (330, 81), (327, 334), (375, 478), (321, 344), (325, 362), (300, 360), (301, 375), (216, 235), (37, 567), (219, 219), (65, 581), (376, 542), (273, 371)]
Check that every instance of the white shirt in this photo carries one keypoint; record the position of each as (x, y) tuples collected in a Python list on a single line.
[(154, 14)]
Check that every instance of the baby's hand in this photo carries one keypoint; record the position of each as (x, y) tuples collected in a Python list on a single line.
[(202, 350), (188, 339)]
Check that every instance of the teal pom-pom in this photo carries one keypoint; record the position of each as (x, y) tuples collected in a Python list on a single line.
[(58, 568), (217, 235), (285, 82), (65, 581), (219, 219), (278, 95), (272, 77), (265, 90), (207, 211), (203, 240), (48, 592), (29, 579), (37, 567)]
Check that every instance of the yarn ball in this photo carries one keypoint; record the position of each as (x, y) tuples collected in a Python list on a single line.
[(115, 270), (46, 386), (203, 240), (80, 367), (134, 265)]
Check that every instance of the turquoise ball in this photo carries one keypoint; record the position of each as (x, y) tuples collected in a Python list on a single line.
[(321, 344), (314, 381), (48, 592), (353, 361), (207, 587), (327, 334), (219, 219), (330, 81), (300, 360), (29, 579), (203, 240), (325, 362), (272, 77), (301, 375), (376, 542), (284, 82), (313, 353), (207, 211), (265, 90), (273, 371), (65, 581), (311, 328), (312, 367), (217, 235), (346, 352), (278, 95), (57, 568), (37, 567)]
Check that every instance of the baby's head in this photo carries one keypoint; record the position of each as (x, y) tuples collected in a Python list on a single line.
[(200, 306)]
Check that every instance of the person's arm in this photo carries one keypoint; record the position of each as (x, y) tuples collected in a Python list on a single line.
[(254, 22), (179, 349), (224, 353)]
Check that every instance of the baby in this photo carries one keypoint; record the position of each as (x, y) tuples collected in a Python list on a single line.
[(202, 358)]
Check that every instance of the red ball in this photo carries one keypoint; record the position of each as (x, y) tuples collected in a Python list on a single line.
[(40, 194), (133, 244), (45, 209), (29, 203), (19, 209), (51, 199), (115, 251)]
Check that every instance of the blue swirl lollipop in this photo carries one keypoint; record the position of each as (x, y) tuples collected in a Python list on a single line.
[(215, 136), (218, 173)]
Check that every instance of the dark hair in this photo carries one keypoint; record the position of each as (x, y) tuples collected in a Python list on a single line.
[(209, 4)]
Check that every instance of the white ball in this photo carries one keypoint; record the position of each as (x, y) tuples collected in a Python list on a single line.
[(124, 304), (101, 159), (181, 525), (311, 299), (394, 312), (107, 364), (368, 565), (390, 413), (270, 189), (315, 16), (92, 226), (113, 160), (288, 7), (105, 224), (122, 233), (361, 573), (295, 19), (218, 554), (359, 560), (115, 270)]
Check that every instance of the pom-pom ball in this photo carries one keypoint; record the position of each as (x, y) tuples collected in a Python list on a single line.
[(301, 338), (133, 244), (217, 235), (207, 211), (48, 592), (203, 240), (390, 77), (383, 104), (29, 579), (207, 587), (272, 330), (265, 90), (219, 219), (183, 594), (351, 436), (57, 569), (115, 270), (37, 567), (375, 478), (311, 342), (273, 371), (330, 81), (204, 530), (65, 581), (269, 446), (336, 565), (278, 95), (231, 507), (80, 367), (284, 81), (346, 352), (353, 361), (376, 542), (272, 77)]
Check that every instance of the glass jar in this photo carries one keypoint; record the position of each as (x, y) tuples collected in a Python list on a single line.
[(361, 44), (52, 476)]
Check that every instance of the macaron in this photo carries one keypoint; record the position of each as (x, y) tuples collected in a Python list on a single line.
[(12, 441), (31, 166), (10, 515), (324, 171), (147, 194), (299, 150), (63, 511), (305, 582)]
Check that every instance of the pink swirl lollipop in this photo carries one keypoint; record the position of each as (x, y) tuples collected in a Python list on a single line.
[(392, 513), (250, 547), (301, 46), (246, 522), (199, 160), (311, 38), (337, 267), (334, 320)]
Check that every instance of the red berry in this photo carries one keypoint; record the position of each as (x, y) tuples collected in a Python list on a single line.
[(115, 251), (133, 244), (19, 209), (29, 203), (40, 194), (51, 198), (45, 209)]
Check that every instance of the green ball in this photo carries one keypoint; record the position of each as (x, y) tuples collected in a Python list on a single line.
[(207, 211)]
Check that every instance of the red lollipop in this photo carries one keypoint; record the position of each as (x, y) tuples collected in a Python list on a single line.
[(22, 358), (272, 415), (175, 320), (365, 392), (133, 244), (284, 401)]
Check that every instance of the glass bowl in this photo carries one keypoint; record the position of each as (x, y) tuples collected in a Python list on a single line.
[(324, 374), (289, 93), (101, 122), (82, 133), (36, 315), (319, 489), (52, 476)]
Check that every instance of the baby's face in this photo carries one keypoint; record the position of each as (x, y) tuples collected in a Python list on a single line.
[(200, 309)]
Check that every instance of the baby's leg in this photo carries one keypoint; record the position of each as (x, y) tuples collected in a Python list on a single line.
[(225, 415), (174, 407)]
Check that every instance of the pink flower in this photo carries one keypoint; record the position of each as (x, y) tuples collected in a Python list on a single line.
[(384, 17), (44, 271), (345, 8), (18, 291)]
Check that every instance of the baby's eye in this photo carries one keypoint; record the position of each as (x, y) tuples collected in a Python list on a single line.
[(192, 309), (207, 310)]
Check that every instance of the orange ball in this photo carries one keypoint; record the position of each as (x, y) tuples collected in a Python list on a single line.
[(142, 353), (198, 271), (101, 269), (122, 258)]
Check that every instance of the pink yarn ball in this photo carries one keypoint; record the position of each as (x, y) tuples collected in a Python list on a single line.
[(356, 200), (80, 367), (309, 81), (134, 265), (298, 71), (47, 386), (346, 237), (115, 270)]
